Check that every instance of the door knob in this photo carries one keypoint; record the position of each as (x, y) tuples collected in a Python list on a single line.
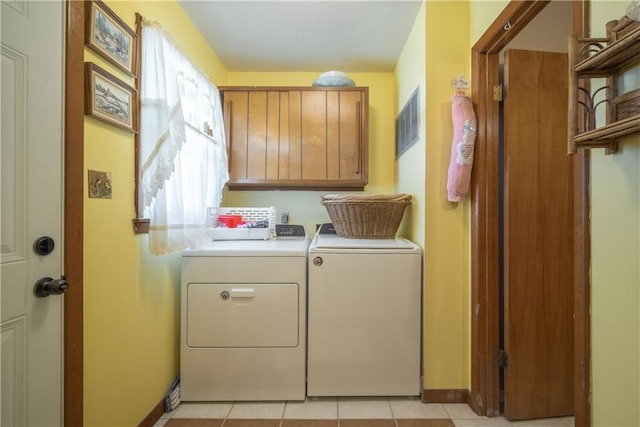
[(48, 286)]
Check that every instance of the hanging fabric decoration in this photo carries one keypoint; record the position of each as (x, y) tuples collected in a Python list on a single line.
[(464, 135)]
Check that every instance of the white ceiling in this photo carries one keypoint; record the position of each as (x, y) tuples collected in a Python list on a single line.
[(305, 35)]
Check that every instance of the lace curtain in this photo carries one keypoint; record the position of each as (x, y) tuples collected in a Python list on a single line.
[(183, 158)]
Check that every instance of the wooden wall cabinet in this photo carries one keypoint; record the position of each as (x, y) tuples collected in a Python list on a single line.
[(306, 138), (609, 58)]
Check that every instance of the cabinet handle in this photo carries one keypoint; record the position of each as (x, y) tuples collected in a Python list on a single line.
[(228, 122), (358, 136)]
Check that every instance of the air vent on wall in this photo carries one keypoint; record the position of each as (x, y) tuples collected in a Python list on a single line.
[(407, 125)]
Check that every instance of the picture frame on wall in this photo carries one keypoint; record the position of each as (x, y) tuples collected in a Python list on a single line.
[(109, 36), (109, 99)]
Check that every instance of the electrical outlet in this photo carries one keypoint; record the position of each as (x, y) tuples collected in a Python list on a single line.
[(284, 218)]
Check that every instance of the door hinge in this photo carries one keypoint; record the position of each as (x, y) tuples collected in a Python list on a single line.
[(500, 92), (500, 358)]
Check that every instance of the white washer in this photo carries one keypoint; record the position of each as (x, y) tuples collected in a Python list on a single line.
[(364, 317), (243, 320)]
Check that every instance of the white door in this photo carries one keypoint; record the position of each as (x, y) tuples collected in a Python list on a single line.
[(32, 43)]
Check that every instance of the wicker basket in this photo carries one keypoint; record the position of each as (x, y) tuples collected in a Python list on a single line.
[(366, 217)]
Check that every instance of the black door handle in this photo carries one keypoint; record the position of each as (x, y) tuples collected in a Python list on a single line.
[(48, 286)]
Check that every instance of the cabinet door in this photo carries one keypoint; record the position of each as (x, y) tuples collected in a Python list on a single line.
[(253, 133), (310, 138), (236, 115), (352, 151), (332, 137), (313, 128), (256, 135)]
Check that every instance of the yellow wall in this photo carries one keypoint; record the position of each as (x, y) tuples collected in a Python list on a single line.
[(440, 227), (447, 236), (615, 269), (410, 168), (483, 13), (304, 206), (131, 299)]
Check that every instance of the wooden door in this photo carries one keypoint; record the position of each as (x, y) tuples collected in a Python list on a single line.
[(31, 188), (538, 239)]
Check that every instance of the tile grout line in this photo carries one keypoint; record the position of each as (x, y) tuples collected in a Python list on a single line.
[(284, 410), (393, 415), (228, 413)]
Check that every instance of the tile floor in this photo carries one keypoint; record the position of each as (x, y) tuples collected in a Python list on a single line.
[(340, 412)]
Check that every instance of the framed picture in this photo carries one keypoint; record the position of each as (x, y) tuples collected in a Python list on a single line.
[(108, 35), (109, 99)]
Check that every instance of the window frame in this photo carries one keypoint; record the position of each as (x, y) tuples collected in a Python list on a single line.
[(140, 224)]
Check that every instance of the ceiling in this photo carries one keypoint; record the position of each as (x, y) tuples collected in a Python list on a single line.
[(305, 35)]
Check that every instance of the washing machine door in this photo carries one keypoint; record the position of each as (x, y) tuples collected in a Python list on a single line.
[(224, 315)]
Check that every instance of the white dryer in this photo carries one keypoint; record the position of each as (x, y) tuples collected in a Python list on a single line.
[(364, 316), (243, 320)]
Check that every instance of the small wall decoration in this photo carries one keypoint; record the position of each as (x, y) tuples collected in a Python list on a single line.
[(109, 36), (109, 99), (99, 185)]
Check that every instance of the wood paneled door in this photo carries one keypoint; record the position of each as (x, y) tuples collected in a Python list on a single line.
[(542, 253), (31, 327), (538, 238)]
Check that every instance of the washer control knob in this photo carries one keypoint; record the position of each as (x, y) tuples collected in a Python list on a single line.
[(317, 261)]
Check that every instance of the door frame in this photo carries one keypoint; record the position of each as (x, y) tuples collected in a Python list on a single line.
[(73, 212), (485, 387)]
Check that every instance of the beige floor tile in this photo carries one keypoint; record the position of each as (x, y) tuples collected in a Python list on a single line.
[(257, 410), (545, 422), (202, 410), (320, 409), (414, 408), (251, 423), (364, 408), (169, 414), (309, 423), (368, 423), (186, 422), (161, 422), (460, 411), (483, 422), (425, 422)]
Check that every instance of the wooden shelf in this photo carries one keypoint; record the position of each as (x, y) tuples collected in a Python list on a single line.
[(602, 136), (613, 56), (588, 58)]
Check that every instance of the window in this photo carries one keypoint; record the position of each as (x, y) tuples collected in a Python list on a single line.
[(181, 152)]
